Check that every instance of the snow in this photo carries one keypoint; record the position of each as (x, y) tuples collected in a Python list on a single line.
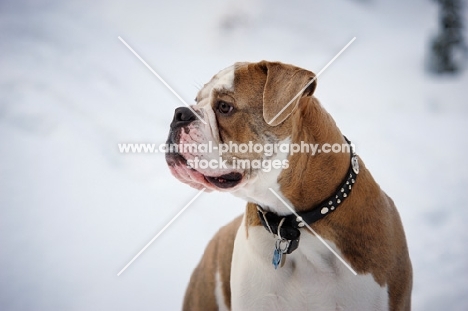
[(74, 211)]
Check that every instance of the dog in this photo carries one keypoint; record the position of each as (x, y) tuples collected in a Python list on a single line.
[(318, 233)]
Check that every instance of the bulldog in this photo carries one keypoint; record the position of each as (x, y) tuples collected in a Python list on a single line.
[(318, 233)]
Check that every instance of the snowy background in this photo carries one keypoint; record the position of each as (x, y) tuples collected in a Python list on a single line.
[(74, 211)]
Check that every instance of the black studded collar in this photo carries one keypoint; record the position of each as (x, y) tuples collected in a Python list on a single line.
[(287, 227)]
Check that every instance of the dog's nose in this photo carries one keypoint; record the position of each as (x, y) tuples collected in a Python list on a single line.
[(182, 116)]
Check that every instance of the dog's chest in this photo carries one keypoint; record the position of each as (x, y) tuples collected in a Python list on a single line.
[(311, 278)]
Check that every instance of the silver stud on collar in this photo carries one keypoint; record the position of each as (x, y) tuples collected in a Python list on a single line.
[(324, 210), (300, 222), (355, 164)]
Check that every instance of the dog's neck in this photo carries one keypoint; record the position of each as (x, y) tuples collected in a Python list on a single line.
[(304, 189), (298, 219)]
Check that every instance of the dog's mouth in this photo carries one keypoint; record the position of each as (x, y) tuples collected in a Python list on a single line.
[(185, 173), (225, 181)]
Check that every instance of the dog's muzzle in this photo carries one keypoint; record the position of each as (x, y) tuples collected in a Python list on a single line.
[(177, 161)]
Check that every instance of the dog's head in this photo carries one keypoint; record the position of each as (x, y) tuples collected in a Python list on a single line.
[(246, 105)]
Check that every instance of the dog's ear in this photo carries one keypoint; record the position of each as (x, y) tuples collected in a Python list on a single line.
[(284, 87)]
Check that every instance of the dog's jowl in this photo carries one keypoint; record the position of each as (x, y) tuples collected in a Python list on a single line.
[(318, 233)]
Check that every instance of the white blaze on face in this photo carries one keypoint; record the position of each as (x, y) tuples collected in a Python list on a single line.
[(222, 80), (225, 79)]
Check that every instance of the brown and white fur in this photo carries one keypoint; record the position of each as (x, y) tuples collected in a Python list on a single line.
[(236, 272)]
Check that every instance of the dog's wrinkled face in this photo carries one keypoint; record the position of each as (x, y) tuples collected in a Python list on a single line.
[(241, 106)]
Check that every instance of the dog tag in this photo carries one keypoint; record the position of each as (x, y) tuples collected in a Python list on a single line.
[(277, 256), (281, 247)]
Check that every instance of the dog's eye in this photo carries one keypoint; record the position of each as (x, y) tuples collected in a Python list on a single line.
[(224, 107)]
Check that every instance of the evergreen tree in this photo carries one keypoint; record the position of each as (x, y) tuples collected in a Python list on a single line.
[(448, 47)]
